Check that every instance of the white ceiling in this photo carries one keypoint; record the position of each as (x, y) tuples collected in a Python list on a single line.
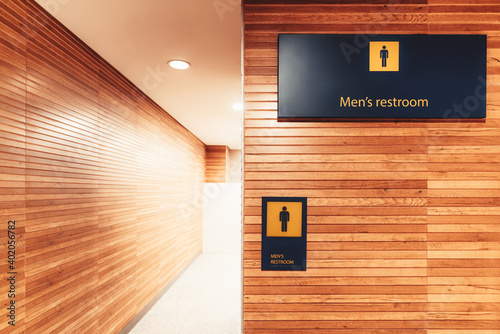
[(138, 37)]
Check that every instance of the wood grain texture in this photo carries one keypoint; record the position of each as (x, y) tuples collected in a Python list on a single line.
[(13, 40), (217, 164), (403, 217), (464, 193), (103, 183)]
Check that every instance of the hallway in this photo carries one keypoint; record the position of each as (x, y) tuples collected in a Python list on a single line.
[(205, 299)]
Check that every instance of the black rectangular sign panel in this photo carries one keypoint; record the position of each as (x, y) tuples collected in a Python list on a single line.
[(284, 233), (386, 76)]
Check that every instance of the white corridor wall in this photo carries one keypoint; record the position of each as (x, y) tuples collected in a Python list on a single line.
[(222, 218)]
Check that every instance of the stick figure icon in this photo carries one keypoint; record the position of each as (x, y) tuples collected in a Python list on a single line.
[(384, 54), (284, 219)]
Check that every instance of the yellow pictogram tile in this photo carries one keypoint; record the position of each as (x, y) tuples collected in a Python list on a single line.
[(384, 56), (284, 219)]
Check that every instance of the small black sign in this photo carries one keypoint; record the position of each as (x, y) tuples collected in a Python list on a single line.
[(382, 76), (284, 233)]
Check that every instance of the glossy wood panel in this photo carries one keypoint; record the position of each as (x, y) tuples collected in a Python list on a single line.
[(103, 184), (464, 192), (217, 164), (403, 217), (13, 160)]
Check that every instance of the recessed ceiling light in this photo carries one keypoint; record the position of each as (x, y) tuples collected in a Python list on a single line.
[(179, 64)]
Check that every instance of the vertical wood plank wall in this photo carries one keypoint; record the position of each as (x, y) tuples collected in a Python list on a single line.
[(217, 164), (99, 179), (403, 232)]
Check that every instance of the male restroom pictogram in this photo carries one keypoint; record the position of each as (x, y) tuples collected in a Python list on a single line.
[(384, 56), (284, 233), (284, 218)]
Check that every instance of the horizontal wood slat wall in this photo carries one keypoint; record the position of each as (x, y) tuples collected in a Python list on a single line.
[(100, 180), (464, 192), (13, 158), (217, 164), (403, 233)]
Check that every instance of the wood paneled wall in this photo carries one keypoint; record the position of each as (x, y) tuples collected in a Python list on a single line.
[(217, 164), (102, 183), (403, 232)]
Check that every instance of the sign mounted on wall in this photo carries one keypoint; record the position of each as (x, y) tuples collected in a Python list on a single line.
[(386, 76), (284, 233)]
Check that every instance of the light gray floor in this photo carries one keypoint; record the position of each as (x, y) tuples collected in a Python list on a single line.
[(205, 299)]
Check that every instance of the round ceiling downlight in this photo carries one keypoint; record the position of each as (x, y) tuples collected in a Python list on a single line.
[(179, 64)]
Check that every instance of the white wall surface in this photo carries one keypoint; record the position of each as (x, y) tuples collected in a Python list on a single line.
[(222, 218), (235, 166)]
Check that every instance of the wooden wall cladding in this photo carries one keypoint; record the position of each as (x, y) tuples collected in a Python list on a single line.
[(217, 164), (13, 156), (99, 179), (403, 232)]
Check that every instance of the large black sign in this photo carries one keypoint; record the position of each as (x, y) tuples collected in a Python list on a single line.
[(284, 233), (386, 76)]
